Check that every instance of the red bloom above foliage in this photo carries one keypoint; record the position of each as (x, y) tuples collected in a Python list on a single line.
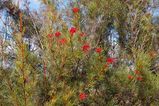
[(82, 96), (130, 77), (85, 47), (57, 34), (75, 10), (98, 50), (139, 78), (73, 30), (137, 72), (110, 60), (63, 41)]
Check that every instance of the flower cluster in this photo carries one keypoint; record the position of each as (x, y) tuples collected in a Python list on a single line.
[(111, 60), (57, 34), (75, 10), (98, 50), (73, 30), (82, 96), (86, 47)]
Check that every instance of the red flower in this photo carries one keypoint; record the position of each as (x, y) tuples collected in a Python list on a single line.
[(75, 10), (50, 35), (98, 50), (85, 47), (63, 41), (57, 34), (82, 96), (130, 77), (139, 78), (110, 60), (137, 72), (73, 30)]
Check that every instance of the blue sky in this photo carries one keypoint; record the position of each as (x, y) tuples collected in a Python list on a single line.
[(34, 4)]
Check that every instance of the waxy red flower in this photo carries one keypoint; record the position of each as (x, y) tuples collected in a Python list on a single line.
[(110, 60), (73, 30), (82, 96), (130, 77), (139, 78), (75, 10), (137, 72), (85, 47), (57, 34), (63, 41), (98, 50)]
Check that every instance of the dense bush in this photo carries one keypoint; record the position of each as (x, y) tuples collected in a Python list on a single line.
[(75, 66)]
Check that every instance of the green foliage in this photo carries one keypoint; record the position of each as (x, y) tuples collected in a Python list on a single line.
[(71, 71)]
